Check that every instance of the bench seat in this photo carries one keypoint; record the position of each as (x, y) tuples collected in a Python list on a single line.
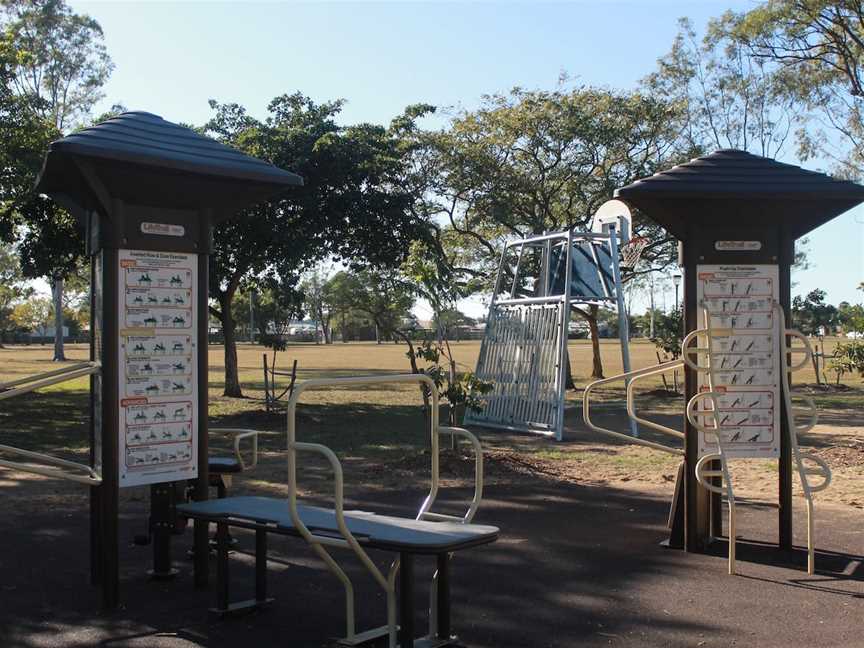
[(370, 529)]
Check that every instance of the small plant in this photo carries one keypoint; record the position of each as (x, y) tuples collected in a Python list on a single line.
[(461, 392)]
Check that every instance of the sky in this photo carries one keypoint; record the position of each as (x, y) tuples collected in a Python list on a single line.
[(172, 57)]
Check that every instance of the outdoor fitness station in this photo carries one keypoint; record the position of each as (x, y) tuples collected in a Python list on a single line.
[(540, 280), (150, 193), (737, 217)]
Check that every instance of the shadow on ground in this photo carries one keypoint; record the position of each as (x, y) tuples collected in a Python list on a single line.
[(576, 566)]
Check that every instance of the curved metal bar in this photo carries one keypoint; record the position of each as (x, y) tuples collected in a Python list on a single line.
[(50, 378), (631, 402), (91, 479), (703, 475), (387, 583), (47, 374), (586, 414), (586, 409), (803, 473), (478, 478), (240, 435), (30, 384)]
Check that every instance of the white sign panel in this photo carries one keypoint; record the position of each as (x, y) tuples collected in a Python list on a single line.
[(158, 367), (746, 363)]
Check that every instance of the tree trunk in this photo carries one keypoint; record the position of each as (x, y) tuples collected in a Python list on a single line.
[(591, 317), (57, 293), (597, 369), (232, 374)]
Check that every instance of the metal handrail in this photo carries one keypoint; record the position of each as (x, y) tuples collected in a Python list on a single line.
[(47, 374), (317, 542), (586, 411), (631, 403), (240, 435), (50, 378), (32, 383), (824, 470), (477, 499)]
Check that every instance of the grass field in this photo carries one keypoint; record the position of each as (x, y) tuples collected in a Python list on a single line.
[(384, 426)]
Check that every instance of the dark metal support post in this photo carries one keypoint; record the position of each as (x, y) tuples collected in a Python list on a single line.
[(406, 600), (261, 566), (202, 489), (109, 489), (697, 520), (443, 596), (222, 544), (162, 519)]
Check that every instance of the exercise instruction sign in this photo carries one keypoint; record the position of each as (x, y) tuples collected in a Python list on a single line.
[(739, 300), (158, 367)]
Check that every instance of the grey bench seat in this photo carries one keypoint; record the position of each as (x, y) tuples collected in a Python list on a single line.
[(371, 529)]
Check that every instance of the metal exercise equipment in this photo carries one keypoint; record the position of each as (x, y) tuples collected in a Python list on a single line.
[(524, 349), (271, 397), (429, 533), (149, 194), (712, 469), (222, 468), (737, 217), (65, 469)]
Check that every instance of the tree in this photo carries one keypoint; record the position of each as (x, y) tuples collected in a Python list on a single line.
[(811, 315), (851, 317), (35, 314), (350, 206), (820, 43), (385, 297), (317, 300), (726, 99), (58, 69), (13, 290), (531, 162)]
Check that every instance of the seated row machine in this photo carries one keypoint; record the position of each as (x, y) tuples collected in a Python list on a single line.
[(429, 533)]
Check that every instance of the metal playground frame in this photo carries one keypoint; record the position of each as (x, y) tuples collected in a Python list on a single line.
[(524, 348)]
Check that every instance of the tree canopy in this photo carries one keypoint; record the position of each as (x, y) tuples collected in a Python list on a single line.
[(352, 206)]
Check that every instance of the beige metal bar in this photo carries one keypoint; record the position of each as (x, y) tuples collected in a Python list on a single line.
[(823, 469), (240, 434), (631, 402), (56, 379), (703, 475), (387, 583), (586, 412), (478, 477), (32, 383), (47, 374), (92, 478)]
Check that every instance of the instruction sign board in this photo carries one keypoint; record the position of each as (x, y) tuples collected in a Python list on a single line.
[(158, 367), (739, 300)]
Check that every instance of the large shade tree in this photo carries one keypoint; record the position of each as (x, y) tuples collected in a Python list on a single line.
[(57, 64), (534, 161), (820, 43), (351, 206)]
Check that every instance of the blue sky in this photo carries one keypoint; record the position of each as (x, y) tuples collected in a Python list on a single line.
[(171, 58)]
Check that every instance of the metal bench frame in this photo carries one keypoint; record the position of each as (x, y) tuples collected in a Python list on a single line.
[(438, 617)]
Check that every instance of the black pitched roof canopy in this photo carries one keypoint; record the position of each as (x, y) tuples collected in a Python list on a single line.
[(730, 187), (140, 158)]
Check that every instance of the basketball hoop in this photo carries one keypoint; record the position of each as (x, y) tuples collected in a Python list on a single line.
[(632, 250)]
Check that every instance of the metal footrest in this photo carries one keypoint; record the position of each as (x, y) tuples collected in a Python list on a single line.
[(365, 637), (241, 607), (435, 642)]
